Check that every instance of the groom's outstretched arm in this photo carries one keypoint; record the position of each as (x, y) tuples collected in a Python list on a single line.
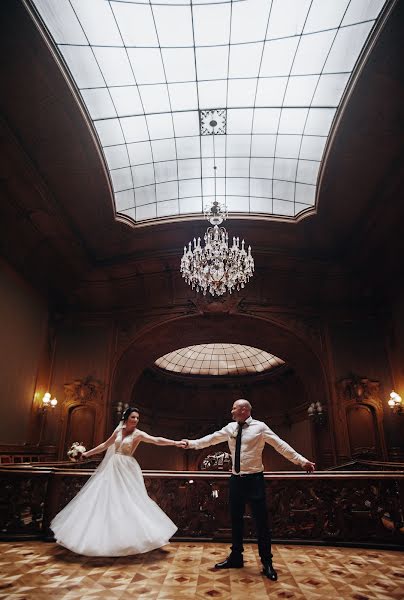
[(208, 440)]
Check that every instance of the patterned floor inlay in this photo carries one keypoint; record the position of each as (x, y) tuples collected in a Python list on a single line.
[(40, 571)]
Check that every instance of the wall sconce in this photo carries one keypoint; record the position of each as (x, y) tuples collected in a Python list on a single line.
[(316, 413), (120, 408), (47, 402), (395, 403)]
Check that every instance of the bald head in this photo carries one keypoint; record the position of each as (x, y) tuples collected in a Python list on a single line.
[(241, 410), (243, 404)]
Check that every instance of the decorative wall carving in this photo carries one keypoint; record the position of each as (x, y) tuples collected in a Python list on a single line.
[(359, 389), (229, 303), (82, 391)]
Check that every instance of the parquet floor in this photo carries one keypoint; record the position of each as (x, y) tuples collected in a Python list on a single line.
[(41, 571)]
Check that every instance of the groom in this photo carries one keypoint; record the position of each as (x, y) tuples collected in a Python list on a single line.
[(246, 441)]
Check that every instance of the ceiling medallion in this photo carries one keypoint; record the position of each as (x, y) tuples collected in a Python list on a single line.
[(215, 267)]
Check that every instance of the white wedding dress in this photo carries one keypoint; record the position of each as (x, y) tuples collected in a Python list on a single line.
[(112, 515)]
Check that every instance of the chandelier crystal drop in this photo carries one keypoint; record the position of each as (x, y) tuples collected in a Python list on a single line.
[(215, 267)]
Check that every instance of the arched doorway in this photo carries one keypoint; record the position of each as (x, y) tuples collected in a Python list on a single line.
[(159, 339)]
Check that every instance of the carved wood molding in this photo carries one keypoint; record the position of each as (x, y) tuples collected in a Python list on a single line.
[(359, 389), (82, 391)]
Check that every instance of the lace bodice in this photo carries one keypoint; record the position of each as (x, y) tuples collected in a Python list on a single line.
[(124, 445)]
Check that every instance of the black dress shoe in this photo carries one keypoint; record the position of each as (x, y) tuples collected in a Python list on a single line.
[(269, 571), (231, 562)]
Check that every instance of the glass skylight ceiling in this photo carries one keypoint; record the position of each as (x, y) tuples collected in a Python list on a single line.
[(218, 359), (145, 70)]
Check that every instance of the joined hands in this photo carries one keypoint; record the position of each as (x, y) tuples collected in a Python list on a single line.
[(181, 444)]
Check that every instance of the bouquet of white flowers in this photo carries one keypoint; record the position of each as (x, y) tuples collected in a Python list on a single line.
[(75, 451)]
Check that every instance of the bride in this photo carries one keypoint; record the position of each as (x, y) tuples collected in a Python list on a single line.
[(112, 515)]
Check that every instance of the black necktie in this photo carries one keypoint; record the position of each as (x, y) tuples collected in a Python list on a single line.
[(238, 448)]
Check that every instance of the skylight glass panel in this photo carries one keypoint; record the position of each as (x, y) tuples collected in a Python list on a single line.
[(166, 171), (143, 175), (190, 188), (278, 55), (305, 193), (136, 24), (362, 10), (241, 92), (145, 195), (266, 120), (101, 31), (300, 90), (245, 60), (183, 96), (174, 25), (99, 103), (83, 66), (189, 169), (147, 65), (212, 62), (212, 24), (125, 200), (110, 132), (179, 64), (140, 153), (126, 100), (167, 208), (186, 123), (146, 212), (121, 179), (307, 171), (134, 129), (312, 53), (287, 18), (212, 93), (346, 48), (283, 208), (154, 74), (190, 205), (261, 167), (287, 146), (325, 14), (155, 98), (160, 126), (62, 22), (243, 27), (115, 66), (117, 156)]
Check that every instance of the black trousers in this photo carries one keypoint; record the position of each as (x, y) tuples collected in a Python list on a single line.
[(250, 489)]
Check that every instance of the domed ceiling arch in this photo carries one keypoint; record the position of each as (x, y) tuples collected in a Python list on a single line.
[(154, 75), (219, 359)]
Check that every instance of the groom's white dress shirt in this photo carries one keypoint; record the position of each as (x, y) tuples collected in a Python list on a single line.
[(254, 436)]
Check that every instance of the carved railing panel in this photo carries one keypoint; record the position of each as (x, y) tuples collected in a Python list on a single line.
[(22, 503), (359, 508)]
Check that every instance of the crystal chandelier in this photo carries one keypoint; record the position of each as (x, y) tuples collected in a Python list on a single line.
[(215, 267)]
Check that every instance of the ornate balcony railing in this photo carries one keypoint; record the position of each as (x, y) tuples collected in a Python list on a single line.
[(358, 508)]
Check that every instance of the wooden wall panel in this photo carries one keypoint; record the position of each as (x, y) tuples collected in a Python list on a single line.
[(23, 324), (83, 351)]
